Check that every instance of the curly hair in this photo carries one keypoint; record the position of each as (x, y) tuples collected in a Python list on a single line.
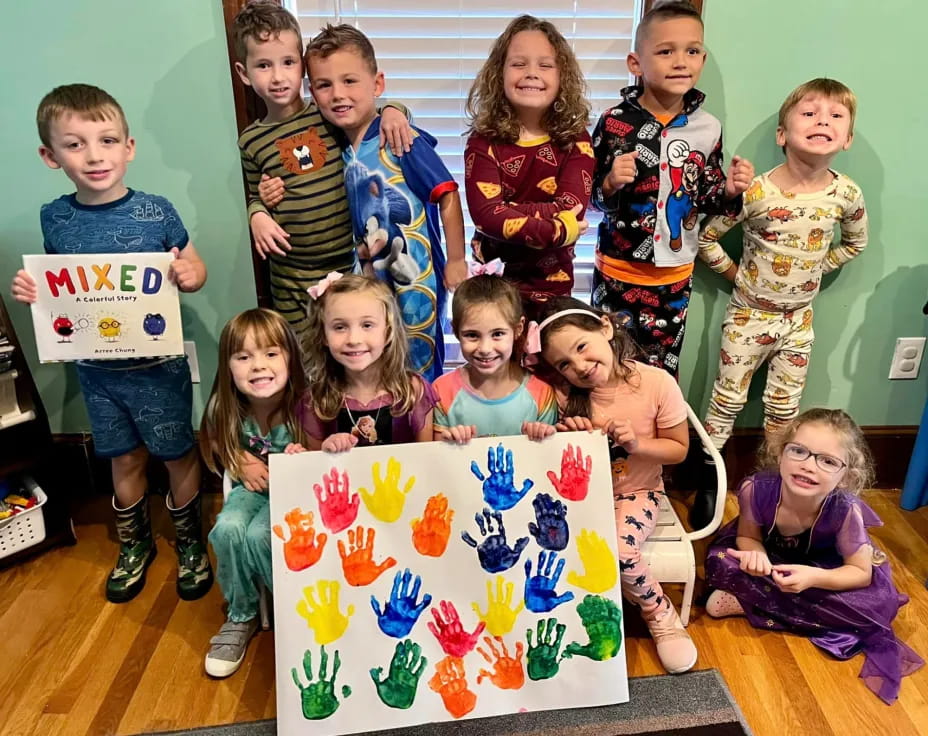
[(625, 349), (859, 473), (259, 21), (491, 115), (326, 375)]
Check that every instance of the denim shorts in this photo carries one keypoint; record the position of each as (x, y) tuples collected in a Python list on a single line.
[(149, 405)]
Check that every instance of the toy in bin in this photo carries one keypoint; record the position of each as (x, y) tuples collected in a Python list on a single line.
[(14, 499)]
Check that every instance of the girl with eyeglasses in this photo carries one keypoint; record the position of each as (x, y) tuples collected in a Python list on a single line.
[(798, 558)]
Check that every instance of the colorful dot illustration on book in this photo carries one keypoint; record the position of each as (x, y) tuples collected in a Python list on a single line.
[(63, 327), (110, 328), (154, 325)]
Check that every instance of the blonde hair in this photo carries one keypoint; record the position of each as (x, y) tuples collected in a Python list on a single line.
[(492, 115), (84, 100), (327, 376), (831, 89), (261, 20), (227, 408), (858, 474), (625, 349)]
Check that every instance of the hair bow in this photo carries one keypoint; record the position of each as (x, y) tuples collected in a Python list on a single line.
[(493, 268), (319, 289), (533, 333)]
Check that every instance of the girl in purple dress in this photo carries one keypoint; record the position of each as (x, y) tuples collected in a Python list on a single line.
[(799, 559)]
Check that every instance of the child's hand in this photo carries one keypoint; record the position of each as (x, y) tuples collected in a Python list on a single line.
[(752, 561), (294, 448), (455, 273), (254, 473), (574, 424), (582, 225), (24, 288), (340, 442), (740, 175), (268, 235), (460, 434), (795, 578), (537, 431), (395, 131), (624, 170), (184, 273), (271, 191), (622, 433)]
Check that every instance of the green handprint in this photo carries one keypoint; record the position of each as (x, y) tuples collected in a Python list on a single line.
[(387, 501), (318, 698), (398, 689), (542, 657), (602, 620)]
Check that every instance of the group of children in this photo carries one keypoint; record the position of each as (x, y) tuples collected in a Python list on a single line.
[(353, 354)]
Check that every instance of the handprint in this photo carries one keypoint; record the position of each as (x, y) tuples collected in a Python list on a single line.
[(430, 533), (551, 531), (358, 564), (401, 612), (318, 698), (542, 657), (540, 596), (304, 548), (335, 508), (602, 620), (500, 616), (448, 681), (323, 616), (398, 688), (493, 552), (387, 500), (508, 673), (499, 490), (574, 482), (450, 633), (600, 573)]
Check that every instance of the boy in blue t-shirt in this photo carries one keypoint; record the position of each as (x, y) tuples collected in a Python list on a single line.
[(137, 407)]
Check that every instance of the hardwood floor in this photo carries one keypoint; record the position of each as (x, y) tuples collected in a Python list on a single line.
[(71, 663)]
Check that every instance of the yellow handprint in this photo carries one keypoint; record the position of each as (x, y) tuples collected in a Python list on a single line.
[(387, 500), (323, 616), (500, 616), (598, 562)]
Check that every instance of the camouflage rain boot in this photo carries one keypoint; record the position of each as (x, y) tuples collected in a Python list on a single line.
[(194, 574), (136, 551)]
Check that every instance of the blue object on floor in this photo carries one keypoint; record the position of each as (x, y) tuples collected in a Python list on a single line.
[(915, 490)]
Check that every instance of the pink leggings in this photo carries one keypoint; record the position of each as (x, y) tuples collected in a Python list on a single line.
[(635, 518)]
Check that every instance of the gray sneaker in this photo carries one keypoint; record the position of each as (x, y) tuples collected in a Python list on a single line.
[(227, 648)]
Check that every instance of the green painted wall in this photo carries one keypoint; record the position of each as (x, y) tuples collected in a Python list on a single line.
[(758, 52), (166, 63)]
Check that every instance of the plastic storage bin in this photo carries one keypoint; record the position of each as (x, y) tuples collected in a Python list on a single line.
[(26, 528)]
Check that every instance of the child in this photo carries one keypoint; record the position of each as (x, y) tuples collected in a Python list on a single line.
[(658, 167), (84, 132), (641, 410), (789, 218), (395, 202), (528, 164), (491, 394), (309, 232), (799, 558), (253, 410), (362, 391)]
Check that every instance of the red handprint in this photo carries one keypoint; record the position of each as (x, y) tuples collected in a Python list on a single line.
[(574, 483), (358, 563), (448, 681), (508, 673), (335, 508), (430, 533), (304, 548), (450, 633)]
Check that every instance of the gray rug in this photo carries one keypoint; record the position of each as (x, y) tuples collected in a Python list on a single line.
[(694, 704)]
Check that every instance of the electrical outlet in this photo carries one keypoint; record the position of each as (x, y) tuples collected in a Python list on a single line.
[(190, 348), (907, 357)]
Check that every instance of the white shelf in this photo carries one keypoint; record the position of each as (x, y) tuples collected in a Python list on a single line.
[(10, 420)]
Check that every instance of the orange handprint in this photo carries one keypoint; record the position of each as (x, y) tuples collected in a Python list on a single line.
[(430, 533), (304, 548), (508, 673), (358, 563), (448, 681)]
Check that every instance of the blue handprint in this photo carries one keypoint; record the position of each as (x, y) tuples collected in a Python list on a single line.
[(499, 490), (540, 596), (493, 552), (551, 531), (401, 612)]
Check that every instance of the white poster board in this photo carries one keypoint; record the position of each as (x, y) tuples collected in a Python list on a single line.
[(105, 307), (397, 624)]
